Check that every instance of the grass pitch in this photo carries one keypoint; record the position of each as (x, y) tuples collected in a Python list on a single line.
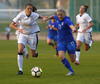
[(88, 72)]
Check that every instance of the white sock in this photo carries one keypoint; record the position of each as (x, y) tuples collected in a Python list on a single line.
[(77, 55), (90, 44), (20, 62), (26, 50)]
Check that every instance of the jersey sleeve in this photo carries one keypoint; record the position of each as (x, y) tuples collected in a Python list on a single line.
[(35, 15), (17, 18), (88, 18), (68, 22), (56, 17)]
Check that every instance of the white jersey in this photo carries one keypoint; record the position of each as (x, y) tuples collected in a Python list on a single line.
[(83, 22), (17, 32), (28, 23)]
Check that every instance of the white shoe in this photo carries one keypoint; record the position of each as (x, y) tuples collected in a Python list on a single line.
[(70, 73), (27, 56)]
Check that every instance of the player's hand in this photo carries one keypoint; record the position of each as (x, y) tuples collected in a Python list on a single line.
[(75, 31), (50, 26), (84, 30), (44, 20)]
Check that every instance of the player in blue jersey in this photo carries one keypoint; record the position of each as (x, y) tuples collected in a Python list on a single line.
[(65, 38), (52, 35)]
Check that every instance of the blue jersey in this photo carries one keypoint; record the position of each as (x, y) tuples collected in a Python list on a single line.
[(64, 30), (51, 31)]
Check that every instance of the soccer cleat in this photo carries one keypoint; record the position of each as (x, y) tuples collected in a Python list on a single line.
[(36, 54), (27, 56), (77, 63), (19, 73), (70, 73)]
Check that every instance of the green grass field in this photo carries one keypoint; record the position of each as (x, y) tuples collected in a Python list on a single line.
[(88, 72)]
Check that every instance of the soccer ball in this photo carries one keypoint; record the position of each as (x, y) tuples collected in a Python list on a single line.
[(36, 72)]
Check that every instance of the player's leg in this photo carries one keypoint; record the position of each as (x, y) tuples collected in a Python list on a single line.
[(88, 41), (25, 52), (61, 52), (55, 41), (22, 41), (34, 53), (56, 48), (49, 39), (79, 43), (20, 58), (80, 39), (32, 43)]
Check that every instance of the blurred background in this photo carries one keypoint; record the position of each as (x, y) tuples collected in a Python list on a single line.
[(10, 8)]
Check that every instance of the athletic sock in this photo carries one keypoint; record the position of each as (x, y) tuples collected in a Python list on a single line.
[(77, 55), (90, 44), (51, 44), (20, 61), (67, 64)]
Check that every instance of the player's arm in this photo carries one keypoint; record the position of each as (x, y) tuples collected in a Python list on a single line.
[(53, 28), (73, 28), (40, 17), (45, 19), (77, 25), (90, 25), (13, 26)]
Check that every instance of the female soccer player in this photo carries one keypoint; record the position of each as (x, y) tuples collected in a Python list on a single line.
[(52, 35), (28, 33), (84, 22), (65, 38)]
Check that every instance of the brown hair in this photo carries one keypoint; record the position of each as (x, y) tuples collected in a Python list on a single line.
[(86, 7), (34, 8)]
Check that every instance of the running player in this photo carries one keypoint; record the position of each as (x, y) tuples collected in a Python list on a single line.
[(84, 22), (65, 38), (28, 33), (52, 35)]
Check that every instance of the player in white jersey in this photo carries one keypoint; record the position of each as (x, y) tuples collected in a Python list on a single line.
[(28, 33), (84, 22), (25, 51)]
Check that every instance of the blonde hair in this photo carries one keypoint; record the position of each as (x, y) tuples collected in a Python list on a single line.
[(61, 10)]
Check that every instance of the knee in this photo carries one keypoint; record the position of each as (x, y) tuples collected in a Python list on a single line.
[(48, 42), (61, 57)]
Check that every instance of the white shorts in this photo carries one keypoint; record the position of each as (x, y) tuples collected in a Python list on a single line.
[(84, 37), (30, 40)]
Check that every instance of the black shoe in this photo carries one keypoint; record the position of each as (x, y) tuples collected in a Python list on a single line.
[(36, 54), (19, 73)]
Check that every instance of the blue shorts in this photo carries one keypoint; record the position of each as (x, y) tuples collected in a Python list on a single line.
[(69, 46), (52, 37)]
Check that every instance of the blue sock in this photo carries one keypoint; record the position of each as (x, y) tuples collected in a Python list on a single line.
[(67, 64), (51, 44)]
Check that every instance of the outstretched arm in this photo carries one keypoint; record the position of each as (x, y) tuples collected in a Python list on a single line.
[(45, 19), (73, 28)]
